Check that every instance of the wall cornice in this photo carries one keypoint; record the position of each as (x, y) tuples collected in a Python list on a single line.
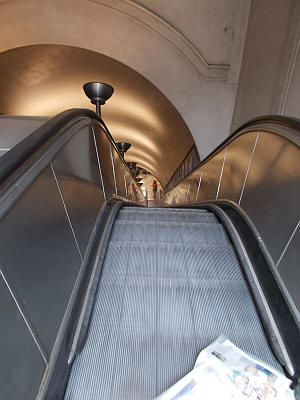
[(166, 31)]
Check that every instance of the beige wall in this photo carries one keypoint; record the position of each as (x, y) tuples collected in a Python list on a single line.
[(269, 80)]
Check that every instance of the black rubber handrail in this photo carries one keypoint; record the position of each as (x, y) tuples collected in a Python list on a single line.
[(287, 122), (19, 153), (13, 159)]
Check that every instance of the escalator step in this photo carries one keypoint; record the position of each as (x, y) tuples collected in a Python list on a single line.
[(162, 216), (153, 231), (167, 290)]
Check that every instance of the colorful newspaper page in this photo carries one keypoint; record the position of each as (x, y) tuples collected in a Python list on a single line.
[(223, 371)]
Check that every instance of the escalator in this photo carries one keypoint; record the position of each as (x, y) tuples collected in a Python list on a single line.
[(171, 283), (104, 298)]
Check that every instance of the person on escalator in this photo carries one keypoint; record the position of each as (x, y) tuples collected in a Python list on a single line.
[(134, 189), (154, 188)]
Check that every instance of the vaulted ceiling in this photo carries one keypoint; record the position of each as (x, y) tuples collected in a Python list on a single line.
[(174, 66), (47, 79)]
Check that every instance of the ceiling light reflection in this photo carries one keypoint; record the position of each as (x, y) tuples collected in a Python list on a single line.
[(135, 109), (136, 137)]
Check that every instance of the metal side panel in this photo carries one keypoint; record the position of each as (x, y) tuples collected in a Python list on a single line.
[(39, 255), (180, 195), (83, 202), (78, 176), (119, 170), (78, 157), (274, 175), (266, 285), (21, 364), (104, 152), (235, 167), (289, 268), (128, 181), (194, 184), (210, 177)]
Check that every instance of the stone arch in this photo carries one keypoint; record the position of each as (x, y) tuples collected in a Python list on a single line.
[(47, 79), (133, 35)]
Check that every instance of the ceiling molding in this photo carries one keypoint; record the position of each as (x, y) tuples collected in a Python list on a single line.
[(159, 26)]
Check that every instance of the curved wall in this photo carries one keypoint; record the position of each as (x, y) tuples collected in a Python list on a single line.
[(46, 79), (164, 50)]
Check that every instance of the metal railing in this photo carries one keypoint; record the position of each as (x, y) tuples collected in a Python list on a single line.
[(53, 186), (258, 170)]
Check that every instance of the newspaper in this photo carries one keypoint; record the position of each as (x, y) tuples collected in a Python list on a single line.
[(223, 371)]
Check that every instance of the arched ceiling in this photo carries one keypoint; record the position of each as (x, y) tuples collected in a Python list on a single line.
[(46, 79), (190, 50)]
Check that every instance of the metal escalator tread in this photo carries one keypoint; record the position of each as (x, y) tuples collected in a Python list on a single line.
[(167, 290)]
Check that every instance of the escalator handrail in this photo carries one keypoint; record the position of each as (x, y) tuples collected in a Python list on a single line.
[(286, 122), (14, 158)]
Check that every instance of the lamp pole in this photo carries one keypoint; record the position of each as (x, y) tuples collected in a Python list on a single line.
[(98, 93), (123, 147)]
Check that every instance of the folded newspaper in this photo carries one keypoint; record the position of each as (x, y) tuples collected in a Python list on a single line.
[(223, 371)]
